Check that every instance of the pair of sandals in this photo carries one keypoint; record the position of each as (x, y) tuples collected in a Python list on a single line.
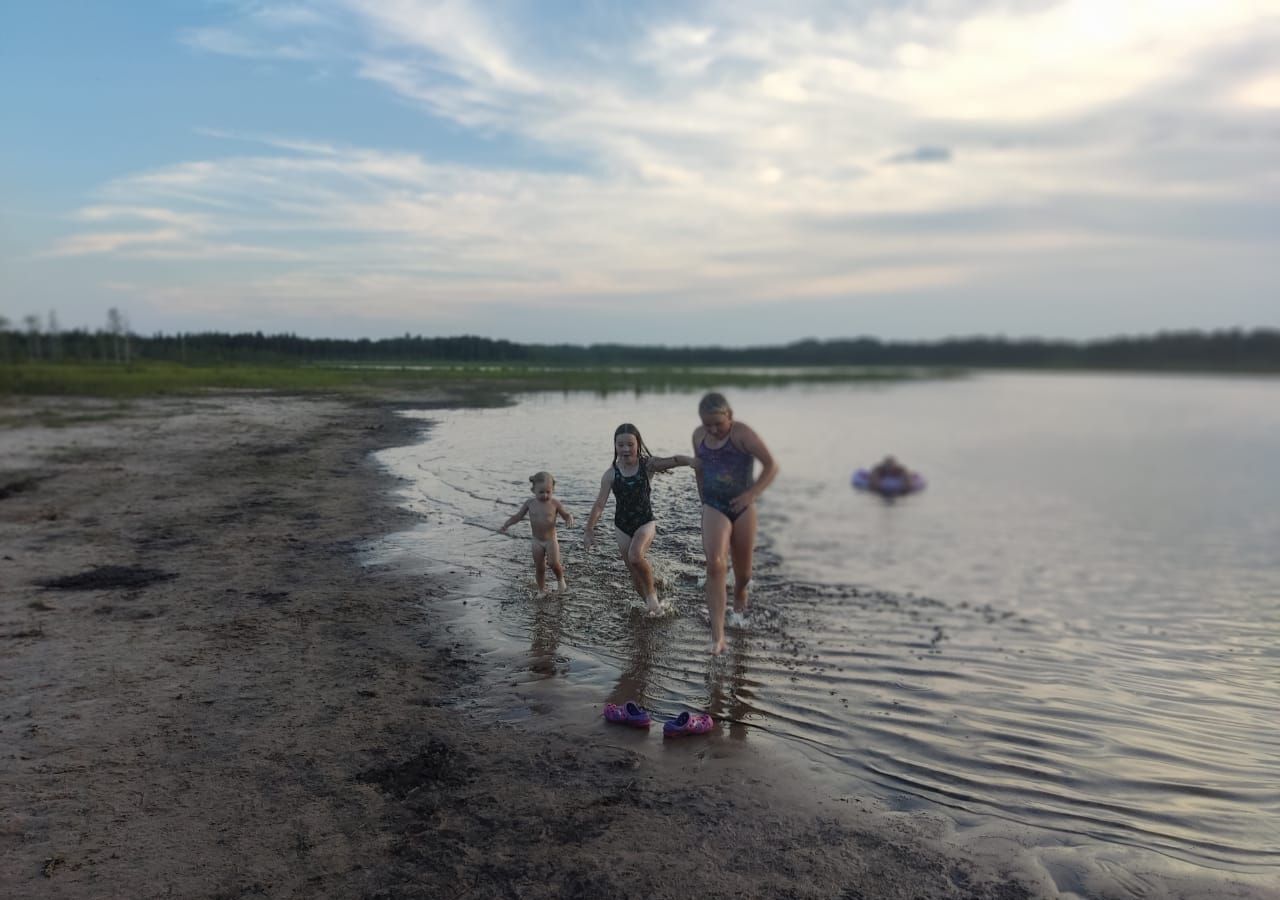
[(636, 716)]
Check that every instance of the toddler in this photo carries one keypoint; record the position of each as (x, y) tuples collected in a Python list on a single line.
[(542, 510)]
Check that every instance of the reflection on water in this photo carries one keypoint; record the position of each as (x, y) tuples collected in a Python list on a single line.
[(729, 694), (545, 631), (1073, 628)]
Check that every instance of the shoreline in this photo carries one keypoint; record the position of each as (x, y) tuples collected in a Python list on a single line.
[(240, 708)]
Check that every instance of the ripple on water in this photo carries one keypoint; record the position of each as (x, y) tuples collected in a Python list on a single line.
[(1146, 721)]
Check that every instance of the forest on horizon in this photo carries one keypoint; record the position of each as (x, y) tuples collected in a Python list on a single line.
[(1234, 350)]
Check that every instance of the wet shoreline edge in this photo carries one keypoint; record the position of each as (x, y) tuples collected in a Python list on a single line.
[(277, 719)]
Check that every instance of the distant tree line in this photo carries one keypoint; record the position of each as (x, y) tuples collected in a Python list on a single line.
[(1233, 350), (1257, 350)]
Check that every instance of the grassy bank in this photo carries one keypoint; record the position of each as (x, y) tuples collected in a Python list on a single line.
[(152, 378)]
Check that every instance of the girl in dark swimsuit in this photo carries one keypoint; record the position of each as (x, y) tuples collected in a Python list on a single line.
[(726, 453), (634, 525)]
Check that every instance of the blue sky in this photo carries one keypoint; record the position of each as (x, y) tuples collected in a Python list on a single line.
[(677, 173)]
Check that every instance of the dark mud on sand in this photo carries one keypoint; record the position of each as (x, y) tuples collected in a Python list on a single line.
[(205, 695)]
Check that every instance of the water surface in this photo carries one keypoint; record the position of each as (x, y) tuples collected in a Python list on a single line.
[(1074, 630)]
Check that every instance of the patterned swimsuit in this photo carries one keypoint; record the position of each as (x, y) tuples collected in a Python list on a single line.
[(726, 473), (633, 508)]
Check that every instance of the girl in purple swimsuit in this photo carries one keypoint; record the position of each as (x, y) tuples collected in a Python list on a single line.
[(726, 452)]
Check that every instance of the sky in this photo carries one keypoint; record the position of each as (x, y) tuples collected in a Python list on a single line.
[(680, 173)]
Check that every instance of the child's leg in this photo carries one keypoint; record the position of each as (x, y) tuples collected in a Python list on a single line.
[(716, 529), (632, 548), (540, 564), (638, 562), (742, 542), (624, 550), (553, 559)]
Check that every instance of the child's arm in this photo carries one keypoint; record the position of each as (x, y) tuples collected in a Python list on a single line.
[(697, 469), (514, 519), (663, 463), (565, 514), (606, 485), (751, 442)]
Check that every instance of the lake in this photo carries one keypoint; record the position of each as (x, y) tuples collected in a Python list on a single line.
[(1074, 631)]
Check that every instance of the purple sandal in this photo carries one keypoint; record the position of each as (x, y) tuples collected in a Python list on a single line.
[(688, 723), (630, 713)]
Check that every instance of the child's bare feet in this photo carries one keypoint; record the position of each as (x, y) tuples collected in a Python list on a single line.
[(651, 605), (562, 584), (715, 648)]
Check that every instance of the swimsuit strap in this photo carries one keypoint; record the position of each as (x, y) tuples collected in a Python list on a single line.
[(618, 472), (728, 439)]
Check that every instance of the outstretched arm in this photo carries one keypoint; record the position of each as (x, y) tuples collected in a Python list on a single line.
[(606, 484), (519, 514), (663, 463), (564, 514), (751, 442)]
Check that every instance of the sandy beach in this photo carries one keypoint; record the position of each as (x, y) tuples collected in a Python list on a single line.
[(205, 694)]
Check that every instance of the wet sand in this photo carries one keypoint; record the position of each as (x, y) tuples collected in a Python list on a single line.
[(204, 694)]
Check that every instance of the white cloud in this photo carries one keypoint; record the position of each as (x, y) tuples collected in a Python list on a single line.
[(1262, 92), (719, 150), (393, 228), (110, 242), (463, 42), (233, 43), (146, 214), (1065, 58)]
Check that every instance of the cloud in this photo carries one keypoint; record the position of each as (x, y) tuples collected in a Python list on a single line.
[(1262, 92), (459, 41), (732, 152), (233, 43), (1062, 58), (359, 220), (921, 155), (750, 88), (111, 242), (143, 213)]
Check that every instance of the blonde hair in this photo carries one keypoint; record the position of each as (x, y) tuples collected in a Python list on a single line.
[(538, 478), (714, 402)]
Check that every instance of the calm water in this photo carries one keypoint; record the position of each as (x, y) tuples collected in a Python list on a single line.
[(1075, 630)]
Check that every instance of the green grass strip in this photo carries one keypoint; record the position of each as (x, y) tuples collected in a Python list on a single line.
[(160, 378)]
